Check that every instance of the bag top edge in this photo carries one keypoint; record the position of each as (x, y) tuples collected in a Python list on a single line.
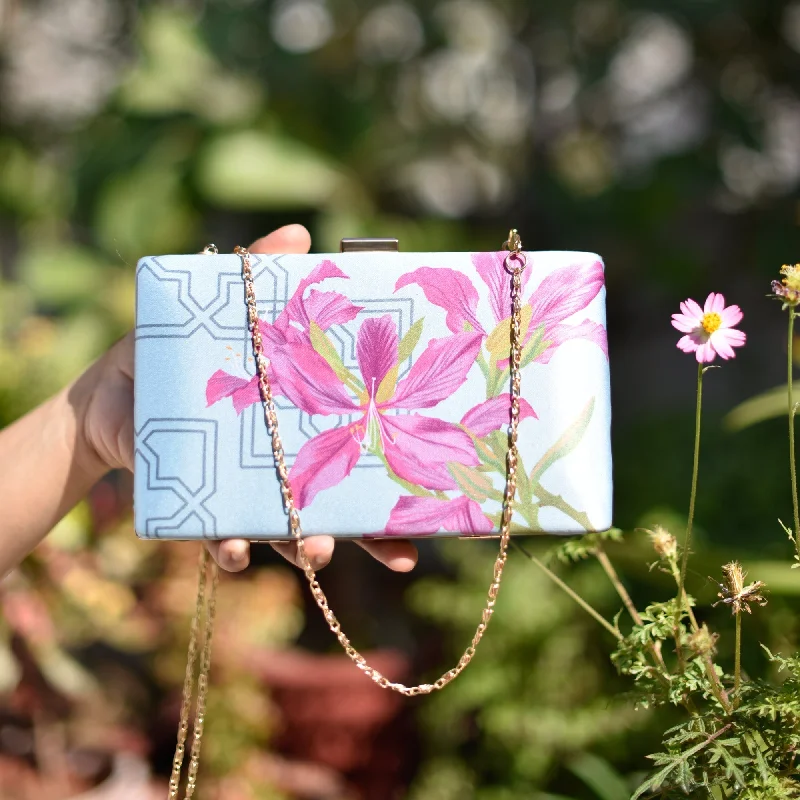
[(372, 254)]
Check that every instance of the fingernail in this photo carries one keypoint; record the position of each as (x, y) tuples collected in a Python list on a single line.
[(318, 561)]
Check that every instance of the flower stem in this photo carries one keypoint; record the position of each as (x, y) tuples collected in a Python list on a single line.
[(693, 496), (576, 597), (608, 567), (708, 663), (790, 392), (737, 670)]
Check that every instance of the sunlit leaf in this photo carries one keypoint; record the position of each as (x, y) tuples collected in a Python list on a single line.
[(767, 405)]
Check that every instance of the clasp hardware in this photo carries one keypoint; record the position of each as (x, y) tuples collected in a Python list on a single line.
[(369, 245)]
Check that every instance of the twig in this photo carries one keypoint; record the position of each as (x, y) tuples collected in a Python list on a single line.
[(576, 597)]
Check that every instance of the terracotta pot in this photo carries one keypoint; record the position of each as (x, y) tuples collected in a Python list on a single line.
[(334, 717)]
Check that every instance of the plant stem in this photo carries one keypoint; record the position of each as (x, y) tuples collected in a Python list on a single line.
[(606, 564), (655, 647), (708, 662), (737, 670), (790, 392), (576, 597), (693, 496)]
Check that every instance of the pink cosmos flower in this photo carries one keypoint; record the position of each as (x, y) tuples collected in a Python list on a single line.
[(415, 447), (291, 326), (425, 515), (560, 295), (709, 330)]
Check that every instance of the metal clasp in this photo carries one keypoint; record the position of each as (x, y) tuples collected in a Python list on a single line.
[(368, 245)]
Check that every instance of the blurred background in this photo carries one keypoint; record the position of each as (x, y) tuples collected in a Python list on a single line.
[(663, 135)]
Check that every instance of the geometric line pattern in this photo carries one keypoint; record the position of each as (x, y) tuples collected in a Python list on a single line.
[(222, 315), (156, 442)]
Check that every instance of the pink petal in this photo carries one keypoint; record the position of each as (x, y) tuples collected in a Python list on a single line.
[(724, 340), (427, 515), (322, 462), (249, 394), (493, 414), (736, 338), (280, 334), (684, 323), (590, 331), (438, 372), (294, 310), (376, 350), (731, 316), (705, 353), (328, 308), (309, 382), (449, 290), (688, 344), (721, 345), (692, 310), (418, 448), (715, 304), (492, 269), (565, 292), (222, 384)]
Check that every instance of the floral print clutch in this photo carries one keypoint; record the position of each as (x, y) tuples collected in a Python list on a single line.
[(390, 376)]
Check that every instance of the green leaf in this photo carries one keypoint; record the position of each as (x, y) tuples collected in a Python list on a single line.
[(488, 457), (498, 342), (599, 776), (323, 346), (565, 444), (474, 484), (409, 341), (535, 347), (388, 386), (768, 405)]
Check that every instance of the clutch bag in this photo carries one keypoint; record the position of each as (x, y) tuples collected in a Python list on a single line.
[(390, 377), (390, 394)]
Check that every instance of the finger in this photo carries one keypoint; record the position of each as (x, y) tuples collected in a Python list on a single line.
[(232, 555), (397, 554), (123, 352), (288, 239), (319, 550)]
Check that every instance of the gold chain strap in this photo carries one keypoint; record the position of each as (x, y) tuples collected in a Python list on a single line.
[(515, 263), (210, 609)]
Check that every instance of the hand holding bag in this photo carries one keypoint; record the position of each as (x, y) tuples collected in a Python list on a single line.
[(428, 394)]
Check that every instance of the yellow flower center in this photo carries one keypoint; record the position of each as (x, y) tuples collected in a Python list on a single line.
[(711, 322), (791, 276)]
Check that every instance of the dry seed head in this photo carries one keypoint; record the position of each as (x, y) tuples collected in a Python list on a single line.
[(664, 543), (791, 276), (734, 592), (703, 642)]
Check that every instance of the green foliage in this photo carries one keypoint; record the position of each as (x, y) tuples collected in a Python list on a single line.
[(579, 548)]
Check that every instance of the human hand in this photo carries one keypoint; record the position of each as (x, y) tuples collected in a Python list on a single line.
[(107, 427)]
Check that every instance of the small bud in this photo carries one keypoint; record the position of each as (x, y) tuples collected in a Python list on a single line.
[(703, 642), (735, 594), (664, 543), (787, 290)]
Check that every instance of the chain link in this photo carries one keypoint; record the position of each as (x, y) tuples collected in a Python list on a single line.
[(210, 609), (515, 263)]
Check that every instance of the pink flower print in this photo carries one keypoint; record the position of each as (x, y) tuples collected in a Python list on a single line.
[(560, 295), (709, 330), (426, 515), (493, 414), (416, 448), (292, 325)]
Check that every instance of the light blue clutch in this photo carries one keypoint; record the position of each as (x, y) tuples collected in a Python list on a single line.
[(390, 374)]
